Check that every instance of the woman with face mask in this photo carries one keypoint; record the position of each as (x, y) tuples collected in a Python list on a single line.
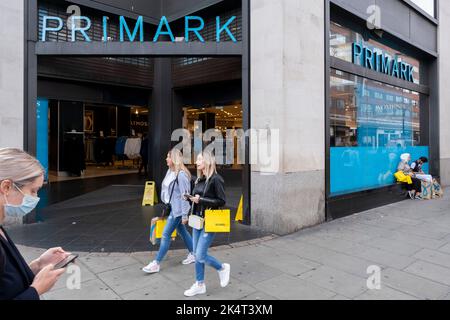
[(21, 177)]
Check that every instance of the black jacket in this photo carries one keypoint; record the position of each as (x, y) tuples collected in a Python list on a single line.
[(417, 167), (211, 198), (16, 276)]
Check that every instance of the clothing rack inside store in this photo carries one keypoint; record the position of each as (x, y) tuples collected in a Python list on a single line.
[(136, 162)]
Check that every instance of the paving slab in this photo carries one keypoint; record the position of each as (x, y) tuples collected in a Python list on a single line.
[(434, 256), (156, 289), (419, 241), (286, 263), (107, 263), (286, 287), (380, 257), (344, 262), (413, 285), (259, 296), (336, 281), (393, 246), (90, 290), (430, 271), (445, 248), (385, 293), (127, 279), (431, 231)]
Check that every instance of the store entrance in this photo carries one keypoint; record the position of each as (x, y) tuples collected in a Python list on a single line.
[(91, 140), (98, 122)]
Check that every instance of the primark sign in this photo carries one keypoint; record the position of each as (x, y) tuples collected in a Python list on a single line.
[(193, 25), (381, 62)]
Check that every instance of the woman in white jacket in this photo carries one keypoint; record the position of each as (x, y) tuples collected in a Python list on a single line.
[(176, 184)]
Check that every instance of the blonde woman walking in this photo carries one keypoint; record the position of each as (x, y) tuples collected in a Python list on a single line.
[(176, 184), (208, 193)]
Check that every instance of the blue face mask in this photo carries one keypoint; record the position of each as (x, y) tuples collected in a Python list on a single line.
[(29, 203)]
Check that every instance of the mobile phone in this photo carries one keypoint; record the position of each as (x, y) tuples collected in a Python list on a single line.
[(65, 262)]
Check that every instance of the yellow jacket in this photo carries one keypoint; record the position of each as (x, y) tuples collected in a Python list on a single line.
[(402, 177)]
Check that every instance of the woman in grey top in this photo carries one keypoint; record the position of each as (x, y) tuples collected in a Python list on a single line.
[(176, 184)]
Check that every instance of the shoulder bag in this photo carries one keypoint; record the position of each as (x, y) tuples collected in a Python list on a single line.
[(197, 222), (167, 207)]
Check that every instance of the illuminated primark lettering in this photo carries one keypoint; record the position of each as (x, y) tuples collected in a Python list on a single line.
[(380, 62), (193, 25)]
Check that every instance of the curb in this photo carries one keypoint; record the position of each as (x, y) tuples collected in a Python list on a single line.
[(180, 252)]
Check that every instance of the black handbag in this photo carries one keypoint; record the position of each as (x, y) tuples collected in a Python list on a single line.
[(167, 207)]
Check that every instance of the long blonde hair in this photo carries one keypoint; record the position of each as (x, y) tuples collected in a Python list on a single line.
[(210, 166), (177, 159), (19, 167)]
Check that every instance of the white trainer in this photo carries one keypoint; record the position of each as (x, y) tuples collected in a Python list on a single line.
[(153, 267), (196, 289), (189, 260), (224, 275)]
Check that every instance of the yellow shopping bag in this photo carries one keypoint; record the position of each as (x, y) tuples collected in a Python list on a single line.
[(217, 221), (157, 229), (401, 177)]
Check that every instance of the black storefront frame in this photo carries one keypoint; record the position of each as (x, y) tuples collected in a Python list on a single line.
[(344, 205), (33, 48)]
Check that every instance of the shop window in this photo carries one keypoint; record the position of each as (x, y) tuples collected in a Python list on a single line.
[(222, 119), (378, 123)]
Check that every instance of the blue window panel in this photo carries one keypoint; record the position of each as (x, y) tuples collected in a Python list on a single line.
[(42, 133), (354, 169)]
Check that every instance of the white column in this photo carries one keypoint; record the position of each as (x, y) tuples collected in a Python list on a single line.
[(11, 73), (444, 92), (287, 91)]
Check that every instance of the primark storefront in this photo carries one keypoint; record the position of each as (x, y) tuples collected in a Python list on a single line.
[(382, 103), (346, 86)]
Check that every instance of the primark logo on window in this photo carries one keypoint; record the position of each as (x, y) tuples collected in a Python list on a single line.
[(81, 25), (381, 62)]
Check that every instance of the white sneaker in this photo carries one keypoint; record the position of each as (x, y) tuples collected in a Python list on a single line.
[(224, 275), (196, 289), (153, 267), (189, 260)]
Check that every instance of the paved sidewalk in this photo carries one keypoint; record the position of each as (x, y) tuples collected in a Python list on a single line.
[(409, 241)]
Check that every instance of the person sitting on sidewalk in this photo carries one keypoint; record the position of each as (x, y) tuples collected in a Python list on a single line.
[(416, 167), (406, 175)]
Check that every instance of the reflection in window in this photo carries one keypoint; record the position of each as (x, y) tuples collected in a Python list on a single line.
[(366, 113), (371, 125)]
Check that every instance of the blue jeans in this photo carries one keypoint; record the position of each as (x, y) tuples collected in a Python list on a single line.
[(171, 225), (202, 242)]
